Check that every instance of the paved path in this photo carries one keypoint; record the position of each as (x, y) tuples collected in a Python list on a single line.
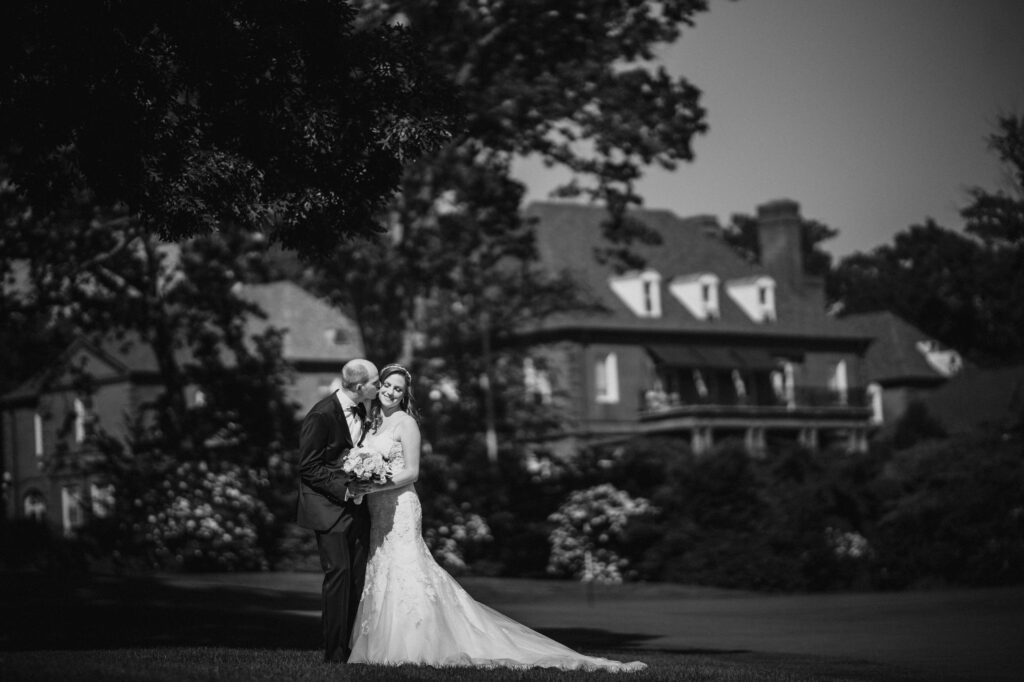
[(976, 634)]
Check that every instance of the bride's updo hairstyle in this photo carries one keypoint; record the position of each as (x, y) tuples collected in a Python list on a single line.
[(407, 404)]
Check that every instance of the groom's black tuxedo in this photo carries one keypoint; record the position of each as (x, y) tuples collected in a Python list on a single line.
[(342, 528)]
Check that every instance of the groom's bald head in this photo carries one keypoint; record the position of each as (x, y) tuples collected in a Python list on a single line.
[(359, 374)]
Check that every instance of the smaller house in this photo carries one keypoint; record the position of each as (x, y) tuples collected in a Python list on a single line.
[(46, 414), (903, 365)]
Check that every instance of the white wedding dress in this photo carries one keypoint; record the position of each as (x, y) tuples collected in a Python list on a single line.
[(413, 611)]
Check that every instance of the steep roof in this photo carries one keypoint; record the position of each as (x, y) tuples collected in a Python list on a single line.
[(893, 356), (316, 330), (567, 235)]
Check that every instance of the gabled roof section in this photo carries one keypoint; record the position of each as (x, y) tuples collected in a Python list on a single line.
[(893, 357), (315, 330), (97, 361), (568, 233)]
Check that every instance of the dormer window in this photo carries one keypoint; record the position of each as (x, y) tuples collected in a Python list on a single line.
[(640, 291), (698, 294), (945, 361), (336, 337), (755, 296)]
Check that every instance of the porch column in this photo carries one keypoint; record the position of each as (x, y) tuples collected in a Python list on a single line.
[(857, 442), (754, 441), (701, 439), (809, 438)]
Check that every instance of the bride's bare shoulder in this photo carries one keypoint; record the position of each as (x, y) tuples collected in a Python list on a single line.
[(408, 421)]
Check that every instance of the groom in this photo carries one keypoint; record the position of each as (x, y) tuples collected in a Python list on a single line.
[(329, 431)]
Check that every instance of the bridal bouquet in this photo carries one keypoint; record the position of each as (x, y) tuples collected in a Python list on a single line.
[(366, 465)]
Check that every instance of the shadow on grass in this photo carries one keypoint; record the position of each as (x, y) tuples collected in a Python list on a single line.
[(115, 612), (106, 612)]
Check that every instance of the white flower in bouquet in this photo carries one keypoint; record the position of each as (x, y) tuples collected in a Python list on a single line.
[(366, 465)]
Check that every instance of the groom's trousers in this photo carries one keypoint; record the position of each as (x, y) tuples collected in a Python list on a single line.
[(343, 553)]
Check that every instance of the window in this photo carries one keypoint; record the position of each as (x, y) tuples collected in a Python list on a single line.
[(739, 386), (640, 291), (338, 337), (35, 506), (755, 296), (698, 293), (606, 379), (71, 508), (536, 382), (80, 417), (102, 499), (877, 411), (838, 382), (37, 427), (700, 385), (784, 384), (648, 297)]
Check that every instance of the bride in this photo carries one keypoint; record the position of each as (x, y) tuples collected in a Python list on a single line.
[(412, 610)]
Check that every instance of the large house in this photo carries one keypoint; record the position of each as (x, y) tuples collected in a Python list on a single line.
[(47, 413), (700, 342)]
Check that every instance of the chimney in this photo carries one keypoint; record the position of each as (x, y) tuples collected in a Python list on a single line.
[(778, 230)]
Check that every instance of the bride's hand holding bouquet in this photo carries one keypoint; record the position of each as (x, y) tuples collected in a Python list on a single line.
[(365, 466)]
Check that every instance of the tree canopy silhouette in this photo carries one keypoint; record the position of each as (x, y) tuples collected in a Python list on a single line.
[(280, 117)]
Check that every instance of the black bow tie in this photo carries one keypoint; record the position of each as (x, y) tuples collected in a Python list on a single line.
[(358, 410)]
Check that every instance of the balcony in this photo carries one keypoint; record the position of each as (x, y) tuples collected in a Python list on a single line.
[(802, 407)]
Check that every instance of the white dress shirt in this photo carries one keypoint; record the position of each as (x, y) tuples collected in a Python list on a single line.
[(355, 422)]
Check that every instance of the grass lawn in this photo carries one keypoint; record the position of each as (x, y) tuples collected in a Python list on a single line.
[(221, 663), (265, 627)]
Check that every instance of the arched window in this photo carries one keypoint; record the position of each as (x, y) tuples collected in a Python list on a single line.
[(34, 505), (72, 515)]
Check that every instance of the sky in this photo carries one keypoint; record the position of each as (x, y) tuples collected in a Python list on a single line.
[(873, 115)]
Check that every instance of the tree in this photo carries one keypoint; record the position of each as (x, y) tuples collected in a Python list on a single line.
[(184, 117), (964, 289), (927, 277), (997, 218), (571, 82)]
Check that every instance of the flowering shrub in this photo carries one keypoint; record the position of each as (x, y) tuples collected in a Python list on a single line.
[(201, 518), (847, 544), (449, 536), (589, 529)]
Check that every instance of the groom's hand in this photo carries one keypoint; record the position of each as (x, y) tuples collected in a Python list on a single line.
[(361, 487)]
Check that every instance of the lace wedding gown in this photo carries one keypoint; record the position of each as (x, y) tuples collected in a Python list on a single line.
[(413, 611)]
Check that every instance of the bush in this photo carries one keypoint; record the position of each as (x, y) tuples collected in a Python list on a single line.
[(590, 529), (952, 512), (192, 516)]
